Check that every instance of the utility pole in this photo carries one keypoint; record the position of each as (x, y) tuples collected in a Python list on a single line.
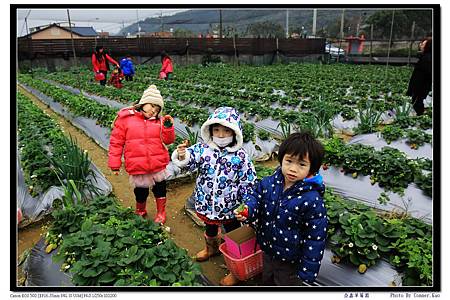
[(29, 45), (314, 22), (161, 22), (71, 37), (139, 25), (287, 23), (220, 23), (390, 41), (411, 42), (342, 32)]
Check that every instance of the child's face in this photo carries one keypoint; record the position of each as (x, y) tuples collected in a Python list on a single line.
[(221, 131), (150, 110), (295, 168)]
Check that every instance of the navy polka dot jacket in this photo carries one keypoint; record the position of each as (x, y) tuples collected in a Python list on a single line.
[(290, 225)]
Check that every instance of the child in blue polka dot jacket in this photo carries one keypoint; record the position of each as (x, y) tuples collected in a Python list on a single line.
[(225, 174), (288, 213)]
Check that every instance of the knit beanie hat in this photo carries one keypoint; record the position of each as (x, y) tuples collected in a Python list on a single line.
[(151, 95)]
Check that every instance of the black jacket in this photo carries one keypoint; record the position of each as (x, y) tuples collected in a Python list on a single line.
[(421, 78)]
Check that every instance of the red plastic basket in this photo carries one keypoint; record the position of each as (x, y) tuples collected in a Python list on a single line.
[(99, 76), (243, 268)]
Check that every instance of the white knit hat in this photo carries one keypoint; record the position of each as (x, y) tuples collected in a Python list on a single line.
[(153, 96)]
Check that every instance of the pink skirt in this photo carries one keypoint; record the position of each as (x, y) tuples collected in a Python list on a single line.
[(147, 180)]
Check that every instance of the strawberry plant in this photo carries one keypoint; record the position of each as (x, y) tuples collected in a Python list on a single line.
[(36, 132), (263, 135), (361, 237), (348, 113), (392, 133), (248, 131), (417, 138), (110, 245)]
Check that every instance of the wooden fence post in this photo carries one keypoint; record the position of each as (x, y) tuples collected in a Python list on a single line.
[(278, 56), (187, 52), (411, 42), (236, 62), (371, 40)]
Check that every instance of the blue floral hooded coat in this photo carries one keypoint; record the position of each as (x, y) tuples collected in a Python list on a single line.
[(225, 175), (290, 225)]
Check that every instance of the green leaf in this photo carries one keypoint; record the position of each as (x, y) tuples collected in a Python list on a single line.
[(91, 272), (150, 261), (107, 277), (373, 255), (87, 225), (354, 259)]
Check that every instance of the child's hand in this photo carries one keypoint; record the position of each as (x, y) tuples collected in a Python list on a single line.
[(181, 149), (241, 213), (167, 121)]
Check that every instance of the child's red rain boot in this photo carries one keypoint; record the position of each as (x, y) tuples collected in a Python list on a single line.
[(160, 210), (140, 209), (229, 280)]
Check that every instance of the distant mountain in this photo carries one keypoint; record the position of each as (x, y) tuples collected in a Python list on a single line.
[(238, 20)]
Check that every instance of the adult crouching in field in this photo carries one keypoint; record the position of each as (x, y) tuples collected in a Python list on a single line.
[(167, 66), (141, 135), (421, 78), (100, 63)]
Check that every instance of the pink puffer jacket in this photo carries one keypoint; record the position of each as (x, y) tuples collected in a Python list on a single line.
[(141, 140)]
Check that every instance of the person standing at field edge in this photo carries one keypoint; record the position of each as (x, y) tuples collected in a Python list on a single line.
[(167, 67), (100, 62), (421, 78), (226, 172), (141, 135)]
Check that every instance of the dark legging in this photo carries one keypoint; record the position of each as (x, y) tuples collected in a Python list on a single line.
[(159, 190), (418, 105), (212, 230), (103, 82)]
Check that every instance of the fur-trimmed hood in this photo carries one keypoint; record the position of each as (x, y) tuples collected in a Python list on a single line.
[(228, 117)]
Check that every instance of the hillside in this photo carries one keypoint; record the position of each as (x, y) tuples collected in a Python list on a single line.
[(238, 20)]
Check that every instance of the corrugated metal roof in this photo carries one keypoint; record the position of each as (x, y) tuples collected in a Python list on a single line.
[(83, 31)]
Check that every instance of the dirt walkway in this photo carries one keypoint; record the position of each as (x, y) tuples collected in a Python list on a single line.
[(183, 230)]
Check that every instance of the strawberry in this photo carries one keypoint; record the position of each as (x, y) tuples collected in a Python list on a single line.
[(244, 213), (242, 210), (167, 121)]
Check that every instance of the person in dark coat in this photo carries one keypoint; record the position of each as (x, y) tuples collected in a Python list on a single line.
[(289, 215), (421, 78)]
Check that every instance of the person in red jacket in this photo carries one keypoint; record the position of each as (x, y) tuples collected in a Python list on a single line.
[(140, 134), (167, 67), (100, 62)]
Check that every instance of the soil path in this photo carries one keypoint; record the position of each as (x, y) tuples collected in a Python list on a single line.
[(183, 230)]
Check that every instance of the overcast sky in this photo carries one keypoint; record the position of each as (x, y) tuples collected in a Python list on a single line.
[(110, 20)]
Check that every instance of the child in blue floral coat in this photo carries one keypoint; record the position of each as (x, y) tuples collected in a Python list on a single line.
[(226, 173), (289, 215)]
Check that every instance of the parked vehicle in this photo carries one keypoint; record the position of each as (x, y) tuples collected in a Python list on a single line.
[(334, 51)]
